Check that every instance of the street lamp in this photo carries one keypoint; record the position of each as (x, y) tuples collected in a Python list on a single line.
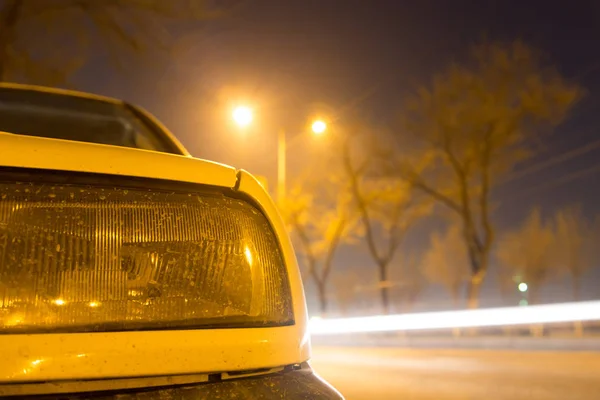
[(242, 116), (318, 127)]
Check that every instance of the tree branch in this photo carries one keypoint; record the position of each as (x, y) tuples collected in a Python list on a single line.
[(304, 239), (396, 234), (484, 196), (45, 8), (447, 201), (332, 248), (361, 205), (8, 20)]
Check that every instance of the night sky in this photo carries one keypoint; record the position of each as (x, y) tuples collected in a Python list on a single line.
[(290, 58)]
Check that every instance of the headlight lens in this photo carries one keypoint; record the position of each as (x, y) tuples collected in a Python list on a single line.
[(78, 258)]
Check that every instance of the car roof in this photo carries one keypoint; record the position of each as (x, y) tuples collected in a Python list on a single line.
[(64, 92)]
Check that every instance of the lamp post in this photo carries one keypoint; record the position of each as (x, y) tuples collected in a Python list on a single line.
[(281, 164), (318, 128), (243, 117)]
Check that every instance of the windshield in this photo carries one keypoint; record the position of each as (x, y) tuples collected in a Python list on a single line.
[(60, 116)]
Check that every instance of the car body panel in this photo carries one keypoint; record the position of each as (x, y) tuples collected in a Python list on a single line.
[(249, 185), (71, 356), (65, 92), (263, 181), (63, 155)]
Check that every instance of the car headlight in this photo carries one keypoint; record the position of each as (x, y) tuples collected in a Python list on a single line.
[(78, 258)]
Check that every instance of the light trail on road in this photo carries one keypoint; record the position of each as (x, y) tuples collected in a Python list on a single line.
[(541, 314)]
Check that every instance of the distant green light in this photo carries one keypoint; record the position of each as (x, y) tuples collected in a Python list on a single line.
[(522, 287)]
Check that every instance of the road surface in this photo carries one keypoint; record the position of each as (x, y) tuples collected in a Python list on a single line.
[(417, 374)]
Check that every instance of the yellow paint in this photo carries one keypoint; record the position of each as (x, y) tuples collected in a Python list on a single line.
[(64, 155), (263, 181)]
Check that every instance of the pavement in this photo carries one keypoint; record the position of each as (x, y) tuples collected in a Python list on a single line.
[(426, 374)]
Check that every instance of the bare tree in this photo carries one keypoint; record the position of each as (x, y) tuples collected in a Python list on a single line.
[(470, 127), (320, 214), (43, 41), (446, 262), (386, 208), (573, 245), (527, 253)]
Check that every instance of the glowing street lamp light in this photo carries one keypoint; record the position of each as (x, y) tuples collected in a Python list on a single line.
[(242, 116), (318, 127), (522, 287)]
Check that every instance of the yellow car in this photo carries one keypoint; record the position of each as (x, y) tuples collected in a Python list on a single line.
[(129, 269)]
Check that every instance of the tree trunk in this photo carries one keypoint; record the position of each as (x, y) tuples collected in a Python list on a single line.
[(8, 19), (578, 328), (576, 288), (322, 293), (536, 330), (577, 325), (478, 258), (473, 290), (385, 301), (456, 332)]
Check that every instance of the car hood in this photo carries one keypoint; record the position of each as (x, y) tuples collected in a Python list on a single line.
[(53, 154)]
